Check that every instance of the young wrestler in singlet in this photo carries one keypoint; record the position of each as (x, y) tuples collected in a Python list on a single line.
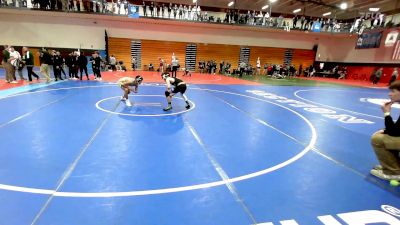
[(179, 87), (126, 83)]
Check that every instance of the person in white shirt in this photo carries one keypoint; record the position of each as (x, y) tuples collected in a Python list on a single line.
[(355, 25), (113, 62), (10, 70), (16, 61), (198, 12), (258, 66), (173, 56), (174, 66), (194, 13), (381, 19), (185, 12)]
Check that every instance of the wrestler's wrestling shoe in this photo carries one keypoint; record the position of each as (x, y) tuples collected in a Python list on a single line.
[(168, 108)]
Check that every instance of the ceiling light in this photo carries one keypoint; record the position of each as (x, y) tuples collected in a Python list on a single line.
[(296, 10), (327, 14), (194, 1), (343, 5), (230, 4), (273, 1), (265, 7), (374, 9)]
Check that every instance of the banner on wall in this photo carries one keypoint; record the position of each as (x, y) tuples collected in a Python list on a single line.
[(103, 54), (391, 38), (369, 40), (396, 51), (316, 27), (133, 11)]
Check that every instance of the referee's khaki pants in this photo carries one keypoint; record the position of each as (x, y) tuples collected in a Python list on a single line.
[(45, 70), (10, 71)]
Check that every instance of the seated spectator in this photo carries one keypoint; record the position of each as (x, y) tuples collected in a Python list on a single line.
[(186, 72), (121, 66), (227, 68), (201, 66), (386, 143), (151, 67), (309, 71), (168, 67), (312, 72), (343, 73)]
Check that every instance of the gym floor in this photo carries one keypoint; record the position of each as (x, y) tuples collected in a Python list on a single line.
[(245, 153)]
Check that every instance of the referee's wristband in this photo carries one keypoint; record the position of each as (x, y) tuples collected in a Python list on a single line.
[(387, 114)]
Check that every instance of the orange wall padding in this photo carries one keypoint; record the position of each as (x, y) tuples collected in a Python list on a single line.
[(153, 50), (218, 52), (267, 55), (303, 57), (121, 49)]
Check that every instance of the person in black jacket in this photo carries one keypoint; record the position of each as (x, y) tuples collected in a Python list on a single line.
[(96, 63), (62, 61), (144, 8), (57, 64), (386, 143), (74, 65), (27, 58), (82, 63), (68, 62)]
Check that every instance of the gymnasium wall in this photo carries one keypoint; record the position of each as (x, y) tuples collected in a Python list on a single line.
[(365, 72), (218, 52), (53, 29), (64, 30), (269, 55), (333, 50), (121, 49), (152, 50)]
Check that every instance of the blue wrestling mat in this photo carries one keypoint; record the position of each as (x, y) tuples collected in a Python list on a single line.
[(73, 154)]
